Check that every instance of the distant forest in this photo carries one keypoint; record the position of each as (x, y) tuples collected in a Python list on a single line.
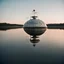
[(60, 24), (56, 26), (8, 24)]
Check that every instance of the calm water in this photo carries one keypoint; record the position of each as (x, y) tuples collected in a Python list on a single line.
[(16, 48)]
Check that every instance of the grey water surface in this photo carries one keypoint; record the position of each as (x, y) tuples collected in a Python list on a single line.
[(16, 48)]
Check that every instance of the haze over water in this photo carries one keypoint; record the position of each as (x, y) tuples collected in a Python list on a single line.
[(16, 48)]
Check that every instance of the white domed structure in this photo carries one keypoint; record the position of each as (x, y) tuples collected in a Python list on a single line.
[(34, 23), (34, 26)]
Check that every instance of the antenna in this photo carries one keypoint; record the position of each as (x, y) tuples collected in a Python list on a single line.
[(34, 14)]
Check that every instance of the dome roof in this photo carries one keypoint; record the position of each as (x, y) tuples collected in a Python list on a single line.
[(34, 23)]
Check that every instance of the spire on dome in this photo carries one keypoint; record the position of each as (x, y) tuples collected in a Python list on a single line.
[(34, 14)]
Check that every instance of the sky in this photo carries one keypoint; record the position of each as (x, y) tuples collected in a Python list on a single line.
[(19, 11)]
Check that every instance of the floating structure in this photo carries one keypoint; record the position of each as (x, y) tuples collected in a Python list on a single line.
[(34, 26)]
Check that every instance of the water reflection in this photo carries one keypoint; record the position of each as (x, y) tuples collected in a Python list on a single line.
[(34, 33), (5, 29), (15, 47), (34, 40)]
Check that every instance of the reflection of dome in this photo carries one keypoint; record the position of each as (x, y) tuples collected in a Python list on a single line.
[(34, 41), (34, 26)]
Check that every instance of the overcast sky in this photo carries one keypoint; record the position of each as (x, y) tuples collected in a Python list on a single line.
[(19, 11)]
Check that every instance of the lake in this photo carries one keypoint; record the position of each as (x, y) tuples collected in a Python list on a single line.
[(16, 47)]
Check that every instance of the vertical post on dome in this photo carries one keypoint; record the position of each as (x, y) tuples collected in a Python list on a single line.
[(34, 14)]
